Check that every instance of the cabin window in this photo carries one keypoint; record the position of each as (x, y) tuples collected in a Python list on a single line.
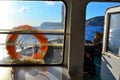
[(95, 14), (114, 30), (47, 19)]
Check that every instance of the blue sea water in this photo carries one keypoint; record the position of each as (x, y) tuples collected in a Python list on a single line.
[(90, 32)]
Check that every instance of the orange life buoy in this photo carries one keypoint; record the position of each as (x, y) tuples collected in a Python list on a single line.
[(11, 38)]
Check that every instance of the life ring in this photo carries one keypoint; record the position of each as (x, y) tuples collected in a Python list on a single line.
[(11, 38)]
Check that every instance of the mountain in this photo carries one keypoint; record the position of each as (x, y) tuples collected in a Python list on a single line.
[(51, 25), (95, 21)]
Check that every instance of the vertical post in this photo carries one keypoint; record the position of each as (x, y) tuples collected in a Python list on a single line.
[(77, 39)]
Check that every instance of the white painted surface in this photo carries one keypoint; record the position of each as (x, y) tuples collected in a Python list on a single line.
[(110, 66), (5, 73)]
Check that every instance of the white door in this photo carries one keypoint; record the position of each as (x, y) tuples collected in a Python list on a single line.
[(110, 66)]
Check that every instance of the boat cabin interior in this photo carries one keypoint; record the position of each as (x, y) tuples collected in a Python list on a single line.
[(60, 40)]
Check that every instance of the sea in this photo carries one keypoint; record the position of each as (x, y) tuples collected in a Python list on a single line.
[(90, 32)]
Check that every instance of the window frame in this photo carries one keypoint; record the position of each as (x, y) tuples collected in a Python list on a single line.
[(65, 33), (109, 22), (108, 12)]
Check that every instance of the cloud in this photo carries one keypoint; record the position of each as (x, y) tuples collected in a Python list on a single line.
[(23, 10), (50, 2)]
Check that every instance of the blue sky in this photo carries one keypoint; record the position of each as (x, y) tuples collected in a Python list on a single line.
[(41, 11), (33, 13), (98, 8)]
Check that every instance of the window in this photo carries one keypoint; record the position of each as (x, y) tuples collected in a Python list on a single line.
[(95, 23), (32, 29), (113, 38), (95, 18)]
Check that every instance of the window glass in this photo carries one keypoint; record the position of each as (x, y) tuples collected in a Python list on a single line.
[(113, 39), (32, 30), (95, 12)]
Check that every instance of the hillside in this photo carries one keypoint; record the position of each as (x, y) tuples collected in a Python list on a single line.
[(95, 21), (50, 25)]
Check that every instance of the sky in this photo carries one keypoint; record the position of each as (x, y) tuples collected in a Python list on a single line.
[(98, 8), (14, 13)]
